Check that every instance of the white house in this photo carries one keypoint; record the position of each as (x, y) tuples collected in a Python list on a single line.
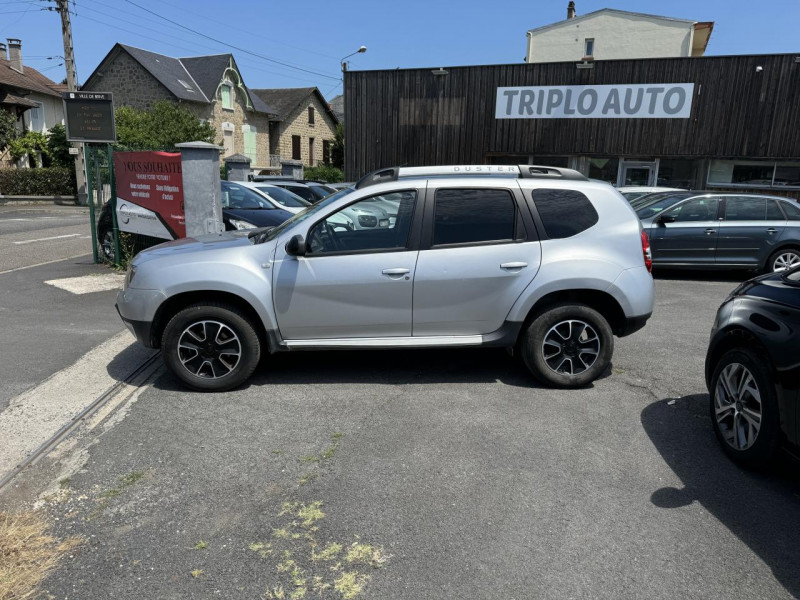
[(609, 34)]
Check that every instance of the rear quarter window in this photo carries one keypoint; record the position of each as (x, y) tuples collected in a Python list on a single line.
[(564, 213)]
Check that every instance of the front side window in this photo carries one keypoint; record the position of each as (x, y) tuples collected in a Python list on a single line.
[(365, 226), (742, 208), (699, 209), (473, 216)]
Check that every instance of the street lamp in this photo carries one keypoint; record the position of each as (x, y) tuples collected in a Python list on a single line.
[(359, 51)]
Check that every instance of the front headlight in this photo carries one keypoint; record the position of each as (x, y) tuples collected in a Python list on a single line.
[(129, 276), (237, 224)]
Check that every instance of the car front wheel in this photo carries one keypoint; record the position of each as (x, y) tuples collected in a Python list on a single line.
[(211, 347), (744, 407), (568, 345)]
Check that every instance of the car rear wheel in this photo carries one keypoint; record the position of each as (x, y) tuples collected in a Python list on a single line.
[(744, 407), (106, 240), (211, 347), (568, 345), (784, 259)]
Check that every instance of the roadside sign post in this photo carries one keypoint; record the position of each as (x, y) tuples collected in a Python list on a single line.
[(113, 182), (90, 119)]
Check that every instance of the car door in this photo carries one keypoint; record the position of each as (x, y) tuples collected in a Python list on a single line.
[(479, 252), (748, 233), (687, 233), (351, 283)]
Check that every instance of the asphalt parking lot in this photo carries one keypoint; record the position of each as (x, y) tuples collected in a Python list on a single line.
[(441, 474)]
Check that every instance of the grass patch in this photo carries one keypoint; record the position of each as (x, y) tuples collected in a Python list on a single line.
[(329, 552), (308, 478), (197, 573), (309, 458), (123, 482), (350, 584), (366, 554), (201, 545), (27, 553), (64, 483)]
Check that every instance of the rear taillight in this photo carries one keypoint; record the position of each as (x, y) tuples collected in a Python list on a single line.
[(648, 256)]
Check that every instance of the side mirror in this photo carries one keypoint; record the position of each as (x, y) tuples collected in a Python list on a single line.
[(664, 219), (296, 246)]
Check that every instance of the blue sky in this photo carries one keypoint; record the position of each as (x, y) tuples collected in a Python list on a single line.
[(315, 34)]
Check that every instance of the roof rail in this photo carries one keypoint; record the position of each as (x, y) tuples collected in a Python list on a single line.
[(516, 171)]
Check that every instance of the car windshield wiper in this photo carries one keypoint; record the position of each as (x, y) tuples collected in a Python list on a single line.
[(260, 234)]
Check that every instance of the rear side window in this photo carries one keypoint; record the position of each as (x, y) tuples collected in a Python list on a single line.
[(473, 216), (742, 208), (773, 211), (564, 213), (792, 210)]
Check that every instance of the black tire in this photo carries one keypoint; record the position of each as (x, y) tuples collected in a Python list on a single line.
[(105, 243), (544, 367), (249, 346), (761, 451), (770, 266)]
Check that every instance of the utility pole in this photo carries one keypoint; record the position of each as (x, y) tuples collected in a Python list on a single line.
[(72, 86)]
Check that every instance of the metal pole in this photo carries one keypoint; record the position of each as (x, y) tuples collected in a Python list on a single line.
[(91, 203), (113, 200)]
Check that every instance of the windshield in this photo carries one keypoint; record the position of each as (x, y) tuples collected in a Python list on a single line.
[(283, 197), (238, 196), (654, 205), (793, 275), (319, 191), (271, 234), (301, 190)]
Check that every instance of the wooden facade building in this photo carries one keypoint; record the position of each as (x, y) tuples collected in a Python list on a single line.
[(741, 129)]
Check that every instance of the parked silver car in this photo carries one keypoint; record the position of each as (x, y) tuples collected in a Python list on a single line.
[(537, 259)]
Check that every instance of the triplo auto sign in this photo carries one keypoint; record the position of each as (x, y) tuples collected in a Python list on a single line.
[(646, 101)]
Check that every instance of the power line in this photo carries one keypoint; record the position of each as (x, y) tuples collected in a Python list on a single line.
[(261, 56)]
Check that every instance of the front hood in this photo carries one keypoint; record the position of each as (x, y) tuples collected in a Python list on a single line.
[(259, 217), (203, 243)]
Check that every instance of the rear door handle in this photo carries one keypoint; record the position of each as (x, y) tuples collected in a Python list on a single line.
[(710, 231), (772, 230), (396, 271), (514, 265)]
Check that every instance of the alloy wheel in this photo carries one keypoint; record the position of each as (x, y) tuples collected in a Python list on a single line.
[(571, 347), (785, 260), (107, 246), (737, 406), (209, 349)]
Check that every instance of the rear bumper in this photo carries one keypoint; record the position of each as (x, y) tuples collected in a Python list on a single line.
[(634, 324)]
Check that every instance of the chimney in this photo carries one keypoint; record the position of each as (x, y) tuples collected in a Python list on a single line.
[(3, 55), (570, 10), (15, 54)]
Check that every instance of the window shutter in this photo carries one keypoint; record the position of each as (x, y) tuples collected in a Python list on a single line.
[(326, 151), (250, 143), (296, 147)]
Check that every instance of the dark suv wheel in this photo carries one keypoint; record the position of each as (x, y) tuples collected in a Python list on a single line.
[(567, 345), (744, 407), (211, 347)]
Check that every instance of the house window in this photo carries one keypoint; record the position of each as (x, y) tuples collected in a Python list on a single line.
[(588, 47), (36, 118), (225, 94), (310, 152), (326, 152), (249, 133), (296, 147), (310, 115)]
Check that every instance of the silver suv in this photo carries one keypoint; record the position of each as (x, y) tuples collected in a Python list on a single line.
[(536, 259)]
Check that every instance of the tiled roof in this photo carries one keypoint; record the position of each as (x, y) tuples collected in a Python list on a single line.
[(283, 101), (30, 79)]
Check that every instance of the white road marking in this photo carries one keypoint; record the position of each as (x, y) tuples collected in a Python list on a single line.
[(47, 262), (87, 284), (55, 237), (36, 415)]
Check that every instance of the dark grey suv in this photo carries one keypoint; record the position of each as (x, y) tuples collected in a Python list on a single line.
[(713, 230)]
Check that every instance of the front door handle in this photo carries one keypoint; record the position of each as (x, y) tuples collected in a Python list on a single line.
[(514, 265), (396, 271), (772, 230), (710, 231)]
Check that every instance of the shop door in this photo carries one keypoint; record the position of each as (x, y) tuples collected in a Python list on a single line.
[(638, 174)]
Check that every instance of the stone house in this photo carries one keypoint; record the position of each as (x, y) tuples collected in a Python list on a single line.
[(210, 86), (34, 99), (304, 126)]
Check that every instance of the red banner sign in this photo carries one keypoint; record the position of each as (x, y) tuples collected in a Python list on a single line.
[(150, 194)]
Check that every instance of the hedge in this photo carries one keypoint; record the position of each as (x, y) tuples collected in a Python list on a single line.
[(48, 181)]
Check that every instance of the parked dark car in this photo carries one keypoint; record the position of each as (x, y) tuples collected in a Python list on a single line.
[(242, 208), (728, 231), (753, 368)]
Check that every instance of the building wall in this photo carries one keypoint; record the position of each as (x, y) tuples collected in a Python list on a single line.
[(616, 36), (52, 110), (296, 123), (131, 84)]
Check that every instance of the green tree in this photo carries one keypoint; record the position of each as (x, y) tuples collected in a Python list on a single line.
[(33, 144), (337, 148), (58, 147), (159, 128), (8, 129), (326, 173)]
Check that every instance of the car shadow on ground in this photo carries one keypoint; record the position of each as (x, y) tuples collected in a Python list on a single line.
[(734, 276), (389, 367), (762, 508)]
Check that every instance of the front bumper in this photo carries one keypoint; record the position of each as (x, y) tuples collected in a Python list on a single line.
[(137, 309), (140, 329)]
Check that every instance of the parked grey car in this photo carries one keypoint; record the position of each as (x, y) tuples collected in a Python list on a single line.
[(536, 259), (728, 231)]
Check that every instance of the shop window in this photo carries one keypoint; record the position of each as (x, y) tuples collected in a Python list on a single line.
[(507, 159), (676, 173), (751, 173), (551, 161), (604, 169)]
